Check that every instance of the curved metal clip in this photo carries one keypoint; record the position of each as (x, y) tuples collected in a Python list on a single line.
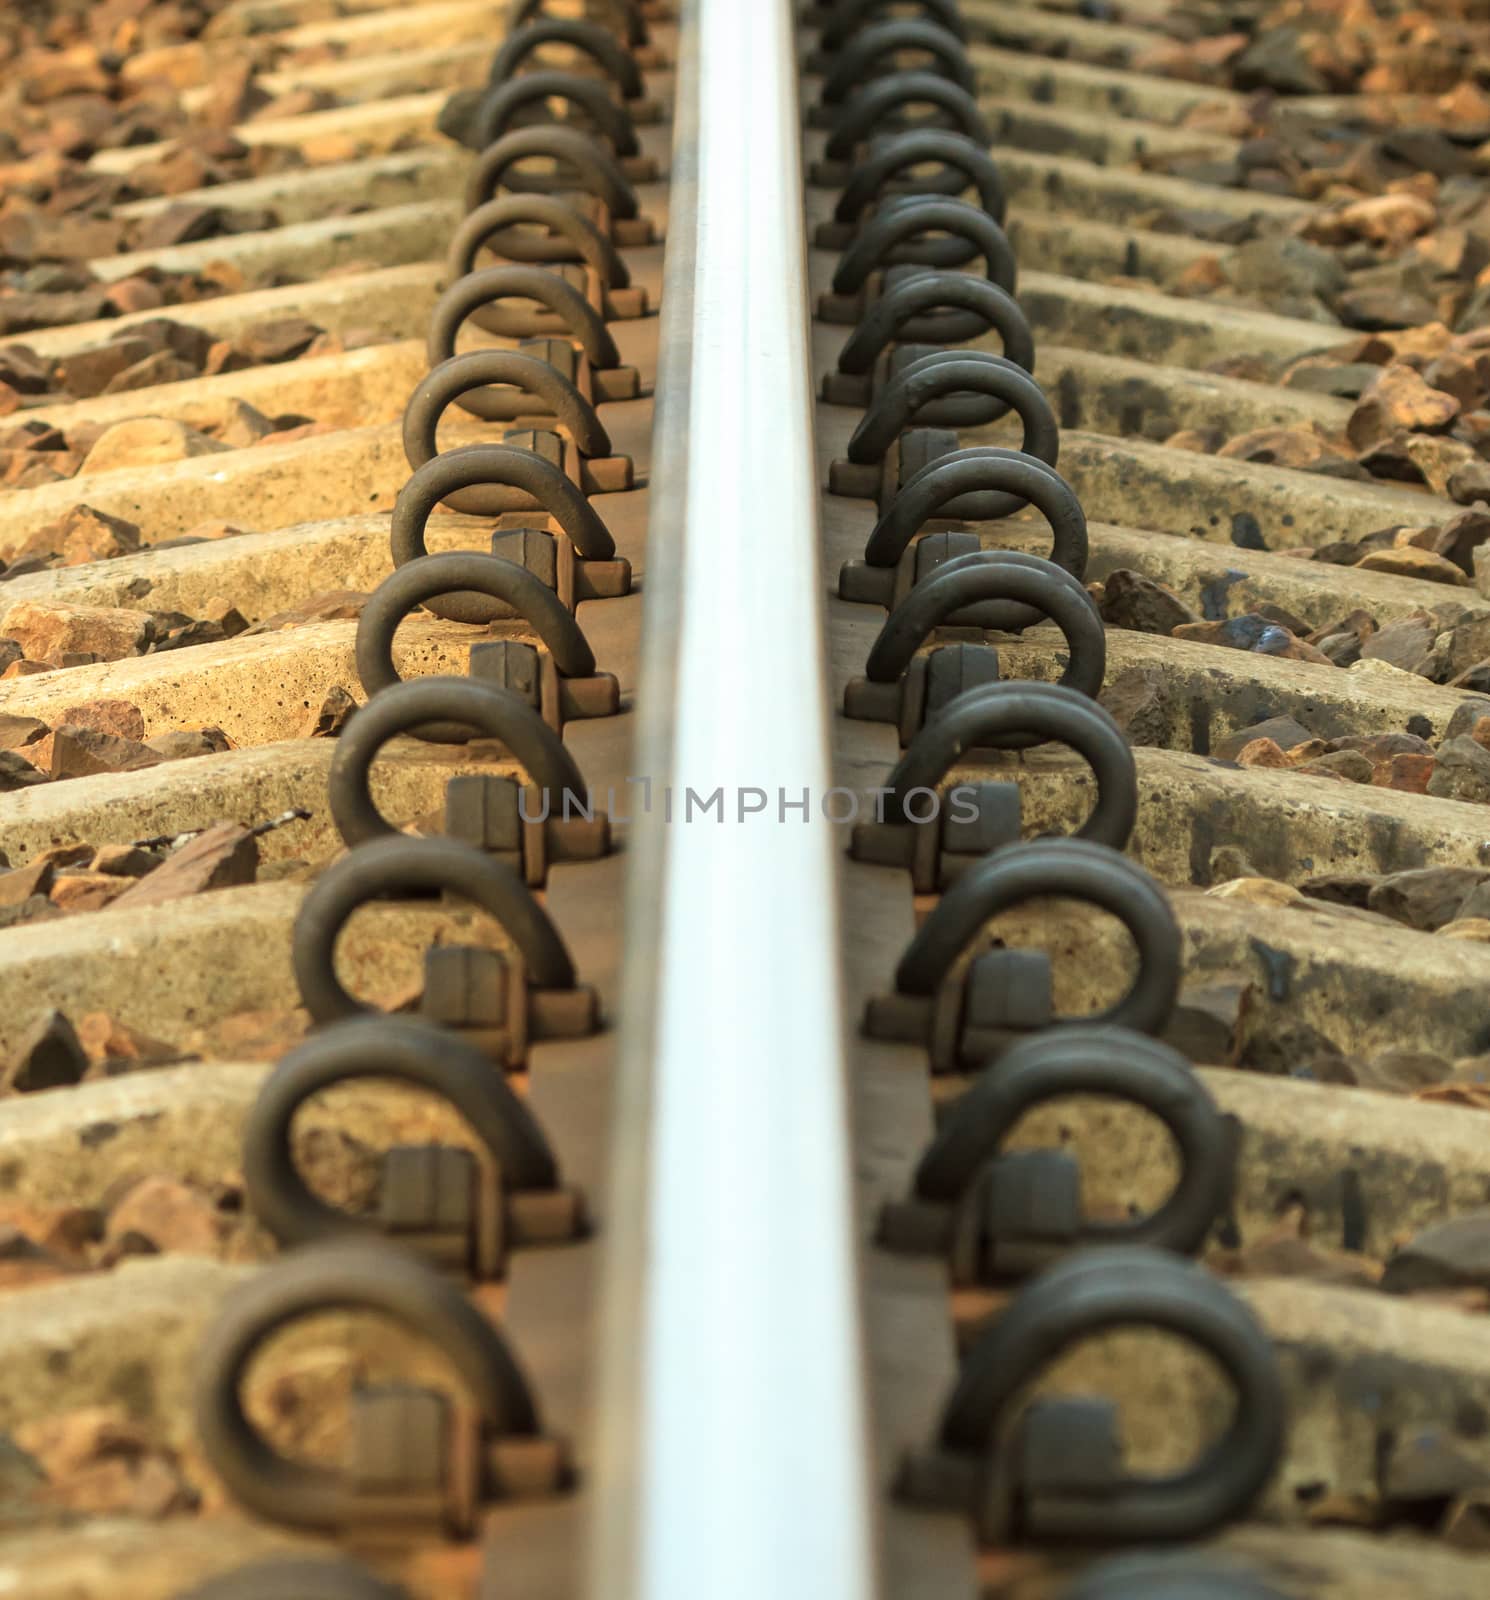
[(951, 389), (580, 162), (589, 38), (503, 103), (964, 165), (985, 579), (545, 389), (874, 109), (845, 17), (441, 710), (854, 64), (965, 1017), (417, 1461), (916, 395), (572, 237), (468, 575), (893, 316), (462, 1209), (938, 313), (1004, 1215), (978, 469), (938, 849), (389, 868), (604, 279), (630, 21), (998, 588), (551, 818), (575, 317), (1054, 1470), (474, 464), (467, 579), (908, 218)]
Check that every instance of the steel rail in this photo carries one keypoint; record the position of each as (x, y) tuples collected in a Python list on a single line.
[(734, 1451)]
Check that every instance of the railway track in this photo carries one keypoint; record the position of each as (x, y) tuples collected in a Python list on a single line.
[(969, 1085)]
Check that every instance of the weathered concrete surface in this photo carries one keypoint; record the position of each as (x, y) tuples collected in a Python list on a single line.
[(196, 961), (266, 573), (1046, 33), (1243, 503), (1289, 825), (1318, 974), (125, 1338), (261, 688), (1076, 247), (351, 389), (1103, 393), (86, 1146), (1080, 86), (114, 1558), (1321, 1563), (257, 688), (394, 300), (1214, 691), (248, 786), (1095, 136), (263, 573), (377, 128), (1369, 1169), (365, 78), (401, 177), (1177, 332), (361, 30), (390, 236), (1225, 581), (329, 475), (1203, 691)]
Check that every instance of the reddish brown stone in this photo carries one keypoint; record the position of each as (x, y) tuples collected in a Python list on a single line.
[(1261, 753), (85, 534), (106, 1039), (81, 890), (119, 717), (160, 366), (221, 856), (98, 1462), (81, 752), (20, 883), (1410, 562), (44, 629), (1407, 773), (18, 731), (48, 1056), (130, 295), (278, 339), (123, 861), (86, 372), (147, 442), (1398, 398), (181, 223), (173, 1216)]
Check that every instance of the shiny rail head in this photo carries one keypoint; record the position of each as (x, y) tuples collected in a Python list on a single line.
[(743, 589)]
